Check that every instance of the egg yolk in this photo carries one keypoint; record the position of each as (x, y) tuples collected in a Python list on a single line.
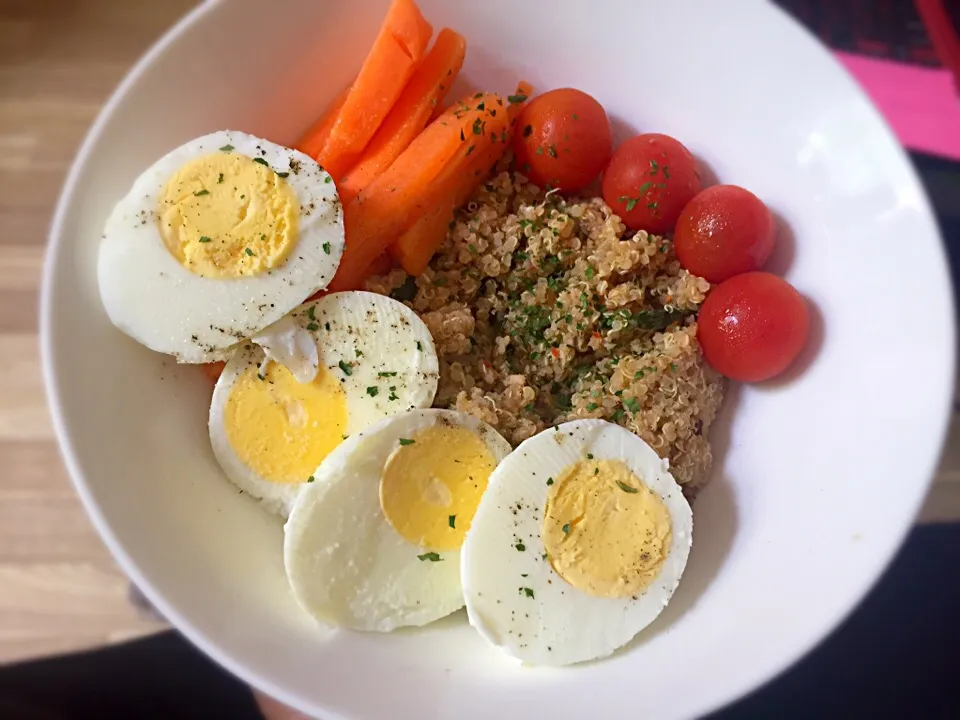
[(282, 429), (604, 531), (432, 484), (226, 215)]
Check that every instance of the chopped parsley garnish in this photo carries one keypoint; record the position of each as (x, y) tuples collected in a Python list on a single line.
[(626, 488), (528, 592), (226, 148), (328, 179), (596, 471), (589, 456), (220, 179), (204, 239), (591, 407), (327, 326), (431, 556), (386, 374), (310, 312), (407, 441), (249, 252), (201, 193), (345, 367), (552, 150), (516, 99), (283, 174), (419, 345), (575, 116), (373, 390), (478, 127), (653, 166), (666, 172), (326, 248), (566, 529), (310, 479), (472, 248), (261, 161), (313, 326), (452, 521), (520, 547), (550, 481), (631, 404), (589, 272)]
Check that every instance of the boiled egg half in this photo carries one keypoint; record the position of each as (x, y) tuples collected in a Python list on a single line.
[(330, 369), (215, 241), (373, 543), (578, 544)]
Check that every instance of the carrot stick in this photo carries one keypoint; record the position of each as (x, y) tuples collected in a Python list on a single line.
[(451, 189), (519, 98), (427, 88), (392, 202), (381, 265), (394, 57), (213, 370), (313, 139)]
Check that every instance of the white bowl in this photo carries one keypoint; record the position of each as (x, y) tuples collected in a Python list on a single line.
[(817, 479)]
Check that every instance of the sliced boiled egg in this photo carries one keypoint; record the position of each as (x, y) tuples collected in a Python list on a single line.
[(328, 370), (373, 543), (215, 241), (577, 545)]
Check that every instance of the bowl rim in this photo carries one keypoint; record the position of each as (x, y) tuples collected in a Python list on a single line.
[(881, 560)]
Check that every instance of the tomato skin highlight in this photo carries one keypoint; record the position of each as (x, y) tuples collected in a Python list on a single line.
[(724, 231), (752, 326), (562, 139), (649, 180)]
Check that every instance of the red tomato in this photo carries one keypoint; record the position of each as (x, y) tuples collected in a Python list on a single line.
[(562, 139), (649, 180), (752, 326), (722, 232)]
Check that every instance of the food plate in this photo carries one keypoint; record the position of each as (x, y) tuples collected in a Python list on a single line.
[(818, 475)]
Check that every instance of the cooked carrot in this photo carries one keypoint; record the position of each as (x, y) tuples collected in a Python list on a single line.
[(381, 265), (213, 370), (313, 139), (426, 89), (391, 203), (519, 98), (394, 57), (438, 111), (451, 189)]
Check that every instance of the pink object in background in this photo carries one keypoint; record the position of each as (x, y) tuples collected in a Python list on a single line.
[(921, 104)]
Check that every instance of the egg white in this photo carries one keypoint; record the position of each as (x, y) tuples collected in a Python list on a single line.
[(158, 302), (346, 564), (560, 624), (390, 338)]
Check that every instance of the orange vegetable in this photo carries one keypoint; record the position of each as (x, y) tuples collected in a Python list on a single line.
[(426, 89), (451, 189), (213, 370), (519, 98), (313, 139), (394, 57), (391, 203), (381, 265)]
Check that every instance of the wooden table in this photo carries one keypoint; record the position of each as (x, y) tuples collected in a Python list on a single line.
[(59, 60)]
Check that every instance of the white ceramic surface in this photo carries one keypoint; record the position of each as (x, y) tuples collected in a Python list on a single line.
[(817, 478)]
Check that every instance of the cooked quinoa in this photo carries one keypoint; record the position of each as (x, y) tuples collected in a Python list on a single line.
[(545, 310)]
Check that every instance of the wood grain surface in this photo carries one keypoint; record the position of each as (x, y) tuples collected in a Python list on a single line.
[(59, 60)]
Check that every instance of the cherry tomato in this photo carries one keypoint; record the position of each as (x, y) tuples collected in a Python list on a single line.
[(752, 326), (649, 180), (724, 231), (562, 139)]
